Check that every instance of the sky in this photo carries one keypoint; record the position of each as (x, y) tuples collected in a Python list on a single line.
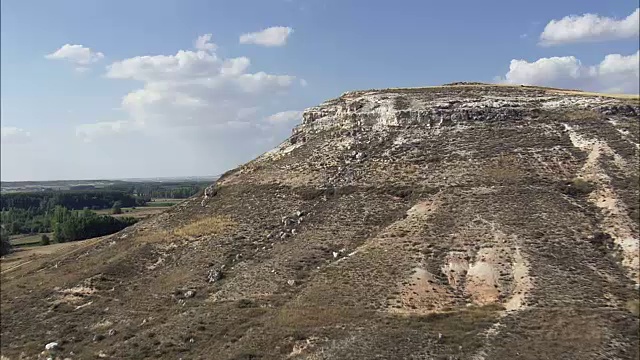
[(158, 88)]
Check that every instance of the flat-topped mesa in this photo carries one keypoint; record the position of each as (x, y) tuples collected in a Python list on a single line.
[(448, 106)]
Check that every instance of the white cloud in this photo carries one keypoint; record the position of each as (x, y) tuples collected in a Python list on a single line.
[(590, 27), (76, 54), (616, 73), (273, 36), (284, 117), (204, 43), (191, 88), (14, 135)]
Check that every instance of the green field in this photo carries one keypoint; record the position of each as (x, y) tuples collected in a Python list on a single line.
[(138, 212), (27, 240), (161, 204)]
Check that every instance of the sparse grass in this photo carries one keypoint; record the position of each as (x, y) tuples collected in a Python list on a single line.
[(311, 317), (215, 225), (582, 115), (554, 90), (615, 96), (505, 169)]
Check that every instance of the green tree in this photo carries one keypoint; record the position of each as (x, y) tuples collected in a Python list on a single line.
[(44, 240), (117, 207), (5, 245)]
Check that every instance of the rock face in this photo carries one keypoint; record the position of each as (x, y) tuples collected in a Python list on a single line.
[(454, 222)]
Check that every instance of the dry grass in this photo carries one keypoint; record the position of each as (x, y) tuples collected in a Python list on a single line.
[(309, 317), (582, 115), (634, 307), (215, 225), (505, 168), (586, 93), (554, 90)]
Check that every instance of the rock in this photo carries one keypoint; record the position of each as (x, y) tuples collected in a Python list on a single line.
[(98, 337), (291, 282), (51, 346), (299, 213), (214, 275), (112, 332), (335, 254), (190, 294)]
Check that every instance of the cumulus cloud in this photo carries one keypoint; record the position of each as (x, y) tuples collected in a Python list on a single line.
[(273, 36), (78, 55), (191, 88), (204, 43), (590, 27), (14, 135), (284, 117), (615, 73)]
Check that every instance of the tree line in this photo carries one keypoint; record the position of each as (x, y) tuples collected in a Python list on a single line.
[(74, 200), (67, 225), (166, 190)]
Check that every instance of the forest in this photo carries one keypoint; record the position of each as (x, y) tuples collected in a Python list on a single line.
[(40, 202), (70, 213)]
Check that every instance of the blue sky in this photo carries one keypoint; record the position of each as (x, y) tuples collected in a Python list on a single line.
[(99, 110)]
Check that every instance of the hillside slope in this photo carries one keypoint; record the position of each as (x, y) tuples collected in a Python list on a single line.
[(455, 222)]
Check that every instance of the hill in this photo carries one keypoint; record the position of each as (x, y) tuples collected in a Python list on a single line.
[(468, 221)]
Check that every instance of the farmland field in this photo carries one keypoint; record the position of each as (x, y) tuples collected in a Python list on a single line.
[(27, 240), (153, 207)]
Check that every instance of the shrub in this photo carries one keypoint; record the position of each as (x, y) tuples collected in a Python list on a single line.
[(505, 169), (578, 187), (245, 303), (5, 245), (117, 208), (44, 240)]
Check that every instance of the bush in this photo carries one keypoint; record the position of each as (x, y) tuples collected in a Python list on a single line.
[(117, 208), (44, 240), (5, 245), (245, 303), (578, 187)]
